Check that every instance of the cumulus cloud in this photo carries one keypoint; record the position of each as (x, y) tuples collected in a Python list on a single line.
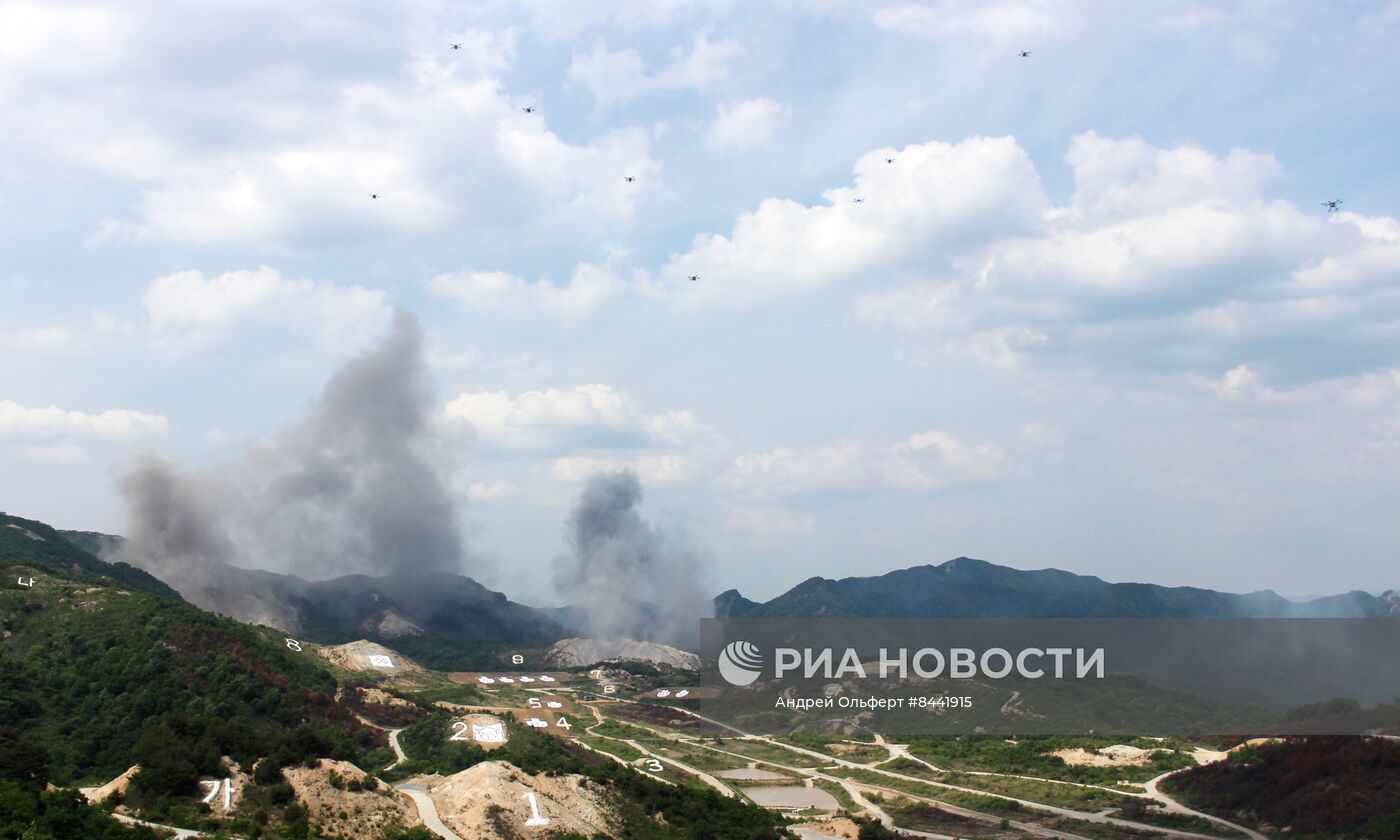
[(934, 199), (568, 421), (618, 77), (1162, 259), (284, 120), (926, 462), (751, 122), (190, 306), (590, 429), (51, 422), (589, 285), (1004, 23)]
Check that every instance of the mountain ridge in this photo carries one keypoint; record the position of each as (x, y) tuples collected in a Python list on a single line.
[(966, 587)]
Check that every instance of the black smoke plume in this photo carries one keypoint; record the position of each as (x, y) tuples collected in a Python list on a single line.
[(351, 488), (628, 578)]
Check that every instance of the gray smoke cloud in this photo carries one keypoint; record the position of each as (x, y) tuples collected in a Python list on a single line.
[(350, 488), (627, 577)]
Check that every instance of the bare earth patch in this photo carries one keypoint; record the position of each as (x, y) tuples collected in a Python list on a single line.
[(1118, 755), (348, 813), (489, 801)]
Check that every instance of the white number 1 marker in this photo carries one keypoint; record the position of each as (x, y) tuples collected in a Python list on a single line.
[(534, 809)]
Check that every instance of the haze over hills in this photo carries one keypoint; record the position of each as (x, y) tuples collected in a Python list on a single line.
[(968, 588), (355, 606)]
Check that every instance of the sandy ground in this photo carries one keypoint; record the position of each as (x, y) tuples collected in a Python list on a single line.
[(843, 829), (117, 785), (489, 801), (348, 813), (1118, 755), (480, 728), (368, 656)]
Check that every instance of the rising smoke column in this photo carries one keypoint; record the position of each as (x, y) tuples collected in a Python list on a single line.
[(351, 488), (630, 579)]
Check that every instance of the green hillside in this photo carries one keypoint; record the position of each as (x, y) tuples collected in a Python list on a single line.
[(39, 548), (1307, 787)]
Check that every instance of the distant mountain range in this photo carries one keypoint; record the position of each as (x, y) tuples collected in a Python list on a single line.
[(968, 588), (430, 612), (354, 606)]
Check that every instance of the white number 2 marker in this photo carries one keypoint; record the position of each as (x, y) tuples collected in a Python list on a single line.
[(536, 819)]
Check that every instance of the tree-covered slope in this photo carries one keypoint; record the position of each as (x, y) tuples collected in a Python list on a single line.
[(87, 669), (1307, 787), (32, 544)]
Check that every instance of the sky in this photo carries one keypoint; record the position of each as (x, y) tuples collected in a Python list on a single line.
[(1082, 309)]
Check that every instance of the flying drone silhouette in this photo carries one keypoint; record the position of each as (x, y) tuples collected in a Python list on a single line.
[(629, 179), (1024, 53), (456, 46), (694, 277), (1333, 206), (529, 109)]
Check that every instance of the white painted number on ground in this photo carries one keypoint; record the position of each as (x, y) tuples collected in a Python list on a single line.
[(381, 661), (293, 644), (537, 723), (653, 765), (563, 723), (459, 731), (536, 818), (23, 582), (517, 659)]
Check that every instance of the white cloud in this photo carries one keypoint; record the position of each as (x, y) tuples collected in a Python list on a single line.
[(290, 117), (584, 417), (588, 429), (1005, 23), (189, 307), (562, 18), (751, 122), (934, 200), (926, 462), (59, 453), (589, 285), (618, 77), (1168, 258), (50, 422)]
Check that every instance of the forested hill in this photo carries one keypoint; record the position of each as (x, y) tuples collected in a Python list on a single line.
[(100, 677), (968, 588), (35, 546)]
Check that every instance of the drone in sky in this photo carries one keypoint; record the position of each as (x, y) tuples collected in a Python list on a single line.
[(694, 277), (529, 109), (1333, 206), (858, 200), (374, 195), (456, 46), (1024, 54), (889, 160), (629, 179)]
